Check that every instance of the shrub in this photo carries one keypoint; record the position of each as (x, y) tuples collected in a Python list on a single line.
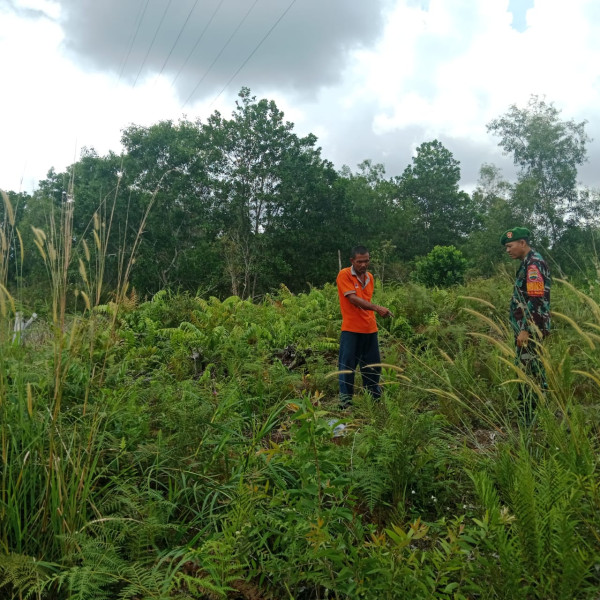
[(442, 267)]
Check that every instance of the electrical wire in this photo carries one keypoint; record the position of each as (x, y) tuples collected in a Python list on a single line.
[(253, 52), (220, 52), (197, 42), (178, 36), (139, 20), (152, 42)]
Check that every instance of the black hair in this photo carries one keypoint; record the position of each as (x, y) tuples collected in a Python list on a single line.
[(358, 250)]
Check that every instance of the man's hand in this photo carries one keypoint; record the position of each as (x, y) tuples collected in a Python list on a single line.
[(523, 338), (382, 311)]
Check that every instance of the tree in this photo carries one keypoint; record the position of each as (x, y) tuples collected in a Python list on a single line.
[(577, 254), (249, 159), (373, 213), (166, 164), (495, 214), (302, 241), (548, 151), (444, 212)]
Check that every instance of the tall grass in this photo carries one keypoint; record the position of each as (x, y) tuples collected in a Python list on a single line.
[(57, 453)]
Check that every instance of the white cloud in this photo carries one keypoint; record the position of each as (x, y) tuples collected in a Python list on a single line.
[(52, 108), (441, 69), (452, 68)]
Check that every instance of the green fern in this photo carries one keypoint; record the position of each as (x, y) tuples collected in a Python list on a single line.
[(23, 576), (372, 483), (526, 506), (215, 569), (94, 572)]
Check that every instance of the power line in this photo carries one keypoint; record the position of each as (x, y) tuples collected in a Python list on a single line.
[(178, 36), (139, 20), (152, 42), (197, 42), (220, 52), (253, 51)]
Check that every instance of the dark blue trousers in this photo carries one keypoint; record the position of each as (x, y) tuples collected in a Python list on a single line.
[(358, 349)]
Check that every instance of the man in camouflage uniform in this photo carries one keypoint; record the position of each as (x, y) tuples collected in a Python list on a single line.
[(529, 312)]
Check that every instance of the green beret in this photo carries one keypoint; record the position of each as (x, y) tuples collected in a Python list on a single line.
[(514, 234)]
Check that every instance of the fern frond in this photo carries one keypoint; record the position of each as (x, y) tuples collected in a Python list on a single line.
[(372, 483), (23, 576)]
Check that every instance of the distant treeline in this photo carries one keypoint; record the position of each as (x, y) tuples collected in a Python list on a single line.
[(240, 205)]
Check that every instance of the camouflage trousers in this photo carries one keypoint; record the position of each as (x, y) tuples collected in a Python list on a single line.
[(528, 358)]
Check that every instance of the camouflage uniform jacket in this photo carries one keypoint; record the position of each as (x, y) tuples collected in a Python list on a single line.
[(530, 303)]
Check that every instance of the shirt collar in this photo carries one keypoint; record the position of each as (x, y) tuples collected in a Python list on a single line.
[(367, 276), (529, 255)]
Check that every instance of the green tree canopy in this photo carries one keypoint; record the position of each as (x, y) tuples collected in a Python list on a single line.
[(547, 151), (445, 214), (256, 166)]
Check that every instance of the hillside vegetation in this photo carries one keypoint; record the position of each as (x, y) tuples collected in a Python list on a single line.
[(183, 448)]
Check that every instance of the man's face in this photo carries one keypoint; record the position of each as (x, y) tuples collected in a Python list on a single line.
[(516, 249), (360, 262)]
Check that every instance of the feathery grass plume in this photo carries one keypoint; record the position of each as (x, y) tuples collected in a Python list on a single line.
[(332, 374), (445, 356), (86, 250), (593, 336), (21, 250), (476, 299), (86, 300), (8, 208), (500, 329), (595, 326), (6, 232), (585, 297), (6, 298), (8, 249), (595, 377), (39, 239), (502, 346), (576, 327)]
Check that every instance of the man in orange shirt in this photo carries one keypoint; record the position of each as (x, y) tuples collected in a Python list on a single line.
[(358, 343)]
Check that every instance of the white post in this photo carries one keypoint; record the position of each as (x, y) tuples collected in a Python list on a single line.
[(21, 326)]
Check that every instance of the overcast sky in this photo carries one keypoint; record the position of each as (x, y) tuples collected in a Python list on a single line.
[(371, 78)]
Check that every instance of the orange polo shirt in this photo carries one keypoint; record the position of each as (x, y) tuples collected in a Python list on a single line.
[(355, 319)]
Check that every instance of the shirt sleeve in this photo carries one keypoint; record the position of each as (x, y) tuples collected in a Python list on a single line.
[(537, 286), (534, 281), (345, 283)]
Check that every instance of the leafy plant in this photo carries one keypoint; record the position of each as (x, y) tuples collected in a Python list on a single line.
[(444, 266)]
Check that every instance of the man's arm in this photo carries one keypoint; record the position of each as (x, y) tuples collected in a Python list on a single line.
[(382, 311)]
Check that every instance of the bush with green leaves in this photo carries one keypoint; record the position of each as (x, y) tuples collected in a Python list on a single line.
[(444, 266)]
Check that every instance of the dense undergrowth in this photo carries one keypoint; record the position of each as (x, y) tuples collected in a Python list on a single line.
[(183, 448)]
